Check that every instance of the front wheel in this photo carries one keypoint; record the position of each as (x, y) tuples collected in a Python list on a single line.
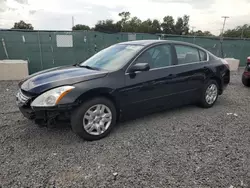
[(94, 119), (209, 94)]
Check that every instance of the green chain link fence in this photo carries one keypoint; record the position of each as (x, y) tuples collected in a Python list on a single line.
[(47, 49)]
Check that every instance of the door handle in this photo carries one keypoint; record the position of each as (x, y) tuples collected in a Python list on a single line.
[(205, 68), (172, 76)]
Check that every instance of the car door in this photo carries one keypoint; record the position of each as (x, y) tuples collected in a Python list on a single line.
[(191, 70), (154, 88)]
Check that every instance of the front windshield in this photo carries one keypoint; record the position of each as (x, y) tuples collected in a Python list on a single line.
[(113, 57)]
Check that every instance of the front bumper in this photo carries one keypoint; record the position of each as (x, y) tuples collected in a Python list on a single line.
[(42, 115), (47, 116), (27, 112)]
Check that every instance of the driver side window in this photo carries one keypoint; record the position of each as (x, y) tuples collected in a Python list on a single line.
[(157, 56)]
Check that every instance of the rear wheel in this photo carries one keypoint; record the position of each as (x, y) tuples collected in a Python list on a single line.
[(94, 119), (209, 94)]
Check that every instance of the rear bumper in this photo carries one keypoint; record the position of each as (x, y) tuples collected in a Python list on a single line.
[(225, 81), (226, 78)]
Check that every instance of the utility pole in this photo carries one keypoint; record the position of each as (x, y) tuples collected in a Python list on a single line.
[(193, 29), (73, 20), (193, 33), (225, 18), (221, 35)]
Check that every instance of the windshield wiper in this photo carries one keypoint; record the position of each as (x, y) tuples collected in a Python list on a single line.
[(89, 67)]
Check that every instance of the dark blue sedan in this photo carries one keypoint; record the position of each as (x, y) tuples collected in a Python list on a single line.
[(123, 80)]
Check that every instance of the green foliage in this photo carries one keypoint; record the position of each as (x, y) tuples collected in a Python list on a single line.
[(239, 31), (185, 26), (22, 25), (168, 25), (182, 25), (107, 26), (201, 33), (124, 17), (134, 24), (156, 25), (81, 27), (178, 28)]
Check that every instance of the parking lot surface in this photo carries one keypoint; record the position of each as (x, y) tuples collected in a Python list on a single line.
[(183, 147)]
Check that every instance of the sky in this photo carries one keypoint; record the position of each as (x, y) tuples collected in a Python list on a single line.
[(57, 14)]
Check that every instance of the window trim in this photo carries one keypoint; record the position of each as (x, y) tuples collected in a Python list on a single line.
[(172, 45), (199, 50)]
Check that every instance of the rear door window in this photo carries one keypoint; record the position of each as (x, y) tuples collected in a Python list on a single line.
[(187, 54)]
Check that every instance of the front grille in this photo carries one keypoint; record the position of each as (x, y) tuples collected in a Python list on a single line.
[(21, 98)]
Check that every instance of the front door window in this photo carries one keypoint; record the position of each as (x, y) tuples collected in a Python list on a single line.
[(157, 57)]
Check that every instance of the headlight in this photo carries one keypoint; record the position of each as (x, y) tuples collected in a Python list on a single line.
[(51, 97)]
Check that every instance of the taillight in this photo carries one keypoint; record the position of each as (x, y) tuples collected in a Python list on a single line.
[(246, 73), (248, 60), (225, 63)]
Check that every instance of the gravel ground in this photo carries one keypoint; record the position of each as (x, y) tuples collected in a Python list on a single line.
[(184, 147)]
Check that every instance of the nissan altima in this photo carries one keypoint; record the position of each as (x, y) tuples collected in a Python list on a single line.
[(125, 79)]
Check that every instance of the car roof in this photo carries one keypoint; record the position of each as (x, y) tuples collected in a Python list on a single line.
[(142, 42), (151, 42)]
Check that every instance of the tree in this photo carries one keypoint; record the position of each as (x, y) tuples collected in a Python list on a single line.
[(133, 25), (136, 25), (178, 28), (81, 27), (156, 25), (185, 24), (208, 33), (182, 25), (150, 26), (168, 26), (201, 33), (146, 26), (239, 31), (107, 26), (22, 25), (125, 17)]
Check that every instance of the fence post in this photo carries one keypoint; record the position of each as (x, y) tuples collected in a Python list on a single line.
[(52, 49), (40, 50), (221, 47), (5, 50), (242, 50)]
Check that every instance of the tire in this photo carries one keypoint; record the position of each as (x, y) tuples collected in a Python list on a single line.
[(245, 81), (203, 102), (78, 119)]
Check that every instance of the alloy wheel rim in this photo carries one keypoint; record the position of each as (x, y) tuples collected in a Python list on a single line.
[(97, 119), (211, 94)]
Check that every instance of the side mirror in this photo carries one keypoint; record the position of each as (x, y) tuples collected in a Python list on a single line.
[(139, 67)]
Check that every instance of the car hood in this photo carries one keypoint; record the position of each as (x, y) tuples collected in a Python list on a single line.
[(67, 75)]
